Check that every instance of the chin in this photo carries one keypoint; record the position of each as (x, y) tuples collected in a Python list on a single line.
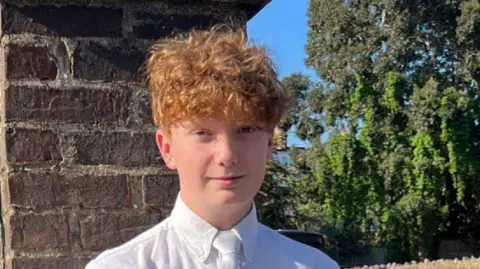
[(231, 198)]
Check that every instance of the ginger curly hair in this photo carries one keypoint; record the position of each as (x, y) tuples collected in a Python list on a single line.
[(214, 74)]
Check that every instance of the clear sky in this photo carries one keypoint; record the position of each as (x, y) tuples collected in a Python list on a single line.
[(282, 27)]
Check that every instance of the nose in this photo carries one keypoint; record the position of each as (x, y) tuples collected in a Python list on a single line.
[(226, 152)]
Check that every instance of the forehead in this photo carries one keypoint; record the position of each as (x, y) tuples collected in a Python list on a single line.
[(212, 123)]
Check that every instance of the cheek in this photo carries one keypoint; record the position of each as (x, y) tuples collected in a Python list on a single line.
[(257, 153), (189, 156)]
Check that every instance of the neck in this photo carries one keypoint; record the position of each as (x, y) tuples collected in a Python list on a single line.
[(223, 218)]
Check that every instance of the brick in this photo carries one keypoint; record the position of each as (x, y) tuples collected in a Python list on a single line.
[(100, 232), (25, 62), (154, 26), (161, 191), (94, 61), (49, 190), (140, 108), (49, 263), (120, 148), (69, 106), (68, 21), (38, 231), (145, 111), (32, 146), (249, 9)]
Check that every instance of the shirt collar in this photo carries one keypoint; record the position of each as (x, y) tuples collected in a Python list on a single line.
[(247, 230), (198, 234)]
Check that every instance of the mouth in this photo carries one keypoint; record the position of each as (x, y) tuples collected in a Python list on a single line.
[(226, 181), (226, 178)]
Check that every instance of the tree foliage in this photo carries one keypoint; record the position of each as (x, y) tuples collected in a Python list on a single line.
[(399, 99), (274, 202)]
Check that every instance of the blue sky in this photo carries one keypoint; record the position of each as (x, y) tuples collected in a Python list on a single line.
[(282, 27)]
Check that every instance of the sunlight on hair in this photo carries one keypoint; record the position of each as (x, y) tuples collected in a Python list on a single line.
[(214, 74)]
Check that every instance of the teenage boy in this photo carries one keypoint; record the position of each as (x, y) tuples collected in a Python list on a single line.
[(216, 100)]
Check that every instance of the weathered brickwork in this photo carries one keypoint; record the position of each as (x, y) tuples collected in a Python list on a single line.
[(79, 169)]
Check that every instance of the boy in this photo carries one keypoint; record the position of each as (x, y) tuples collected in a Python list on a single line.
[(216, 101)]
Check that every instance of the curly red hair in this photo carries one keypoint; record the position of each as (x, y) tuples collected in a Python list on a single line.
[(214, 74)]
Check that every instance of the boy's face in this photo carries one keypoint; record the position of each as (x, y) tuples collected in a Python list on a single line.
[(219, 163)]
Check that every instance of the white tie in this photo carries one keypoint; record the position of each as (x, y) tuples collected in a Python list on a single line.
[(228, 245)]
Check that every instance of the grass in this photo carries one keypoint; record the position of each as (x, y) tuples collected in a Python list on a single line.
[(444, 264), (472, 264)]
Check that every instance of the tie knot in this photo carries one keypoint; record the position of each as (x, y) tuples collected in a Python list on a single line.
[(226, 242)]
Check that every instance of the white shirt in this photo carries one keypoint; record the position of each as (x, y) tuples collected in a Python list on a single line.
[(184, 241)]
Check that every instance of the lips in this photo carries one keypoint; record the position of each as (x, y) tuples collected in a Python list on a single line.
[(226, 182), (229, 178)]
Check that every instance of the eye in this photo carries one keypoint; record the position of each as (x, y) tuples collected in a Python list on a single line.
[(247, 130), (201, 133)]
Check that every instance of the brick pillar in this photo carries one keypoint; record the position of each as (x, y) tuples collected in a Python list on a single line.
[(79, 167)]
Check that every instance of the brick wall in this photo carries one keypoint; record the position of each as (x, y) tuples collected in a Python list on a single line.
[(79, 167)]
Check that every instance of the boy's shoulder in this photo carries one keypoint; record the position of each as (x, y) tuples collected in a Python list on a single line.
[(135, 253), (143, 250), (302, 255)]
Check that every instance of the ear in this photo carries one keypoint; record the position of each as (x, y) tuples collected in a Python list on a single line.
[(164, 146), (270, 146)]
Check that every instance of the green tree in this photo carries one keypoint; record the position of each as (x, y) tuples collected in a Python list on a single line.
[(274, 200), (399, 99)]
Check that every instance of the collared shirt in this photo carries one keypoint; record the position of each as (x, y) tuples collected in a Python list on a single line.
[(184, 241)]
